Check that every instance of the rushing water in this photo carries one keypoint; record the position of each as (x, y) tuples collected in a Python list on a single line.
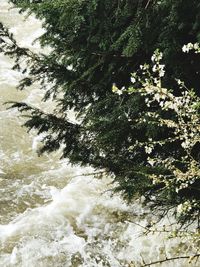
[(51, 214)]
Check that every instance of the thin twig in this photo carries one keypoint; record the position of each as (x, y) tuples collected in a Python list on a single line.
[(171, 259)]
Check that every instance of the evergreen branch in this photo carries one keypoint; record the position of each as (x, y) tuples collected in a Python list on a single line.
[(110, 54), (90, 174), (9, 45)]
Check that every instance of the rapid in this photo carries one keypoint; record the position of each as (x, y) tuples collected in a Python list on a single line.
[(52, 213)]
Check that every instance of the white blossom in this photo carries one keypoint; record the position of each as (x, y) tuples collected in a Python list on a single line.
[(133, 80), (148, 149)]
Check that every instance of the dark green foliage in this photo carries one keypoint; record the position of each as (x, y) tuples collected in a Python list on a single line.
[(104, 41)]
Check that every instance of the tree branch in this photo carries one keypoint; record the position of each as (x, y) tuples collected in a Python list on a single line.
[(171, 259)]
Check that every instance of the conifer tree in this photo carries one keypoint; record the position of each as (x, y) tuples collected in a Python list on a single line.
[(95, 44)]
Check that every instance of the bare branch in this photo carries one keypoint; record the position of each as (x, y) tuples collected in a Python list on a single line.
[(196, 256)]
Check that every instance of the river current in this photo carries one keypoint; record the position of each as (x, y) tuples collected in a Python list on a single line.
[(53, 214)]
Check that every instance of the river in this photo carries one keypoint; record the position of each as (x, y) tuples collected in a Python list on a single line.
[(52, 213)]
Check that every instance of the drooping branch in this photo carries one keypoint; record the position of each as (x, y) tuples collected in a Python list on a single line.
[(9, 46)]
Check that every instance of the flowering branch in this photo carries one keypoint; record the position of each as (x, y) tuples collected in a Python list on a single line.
[(179, 117)]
